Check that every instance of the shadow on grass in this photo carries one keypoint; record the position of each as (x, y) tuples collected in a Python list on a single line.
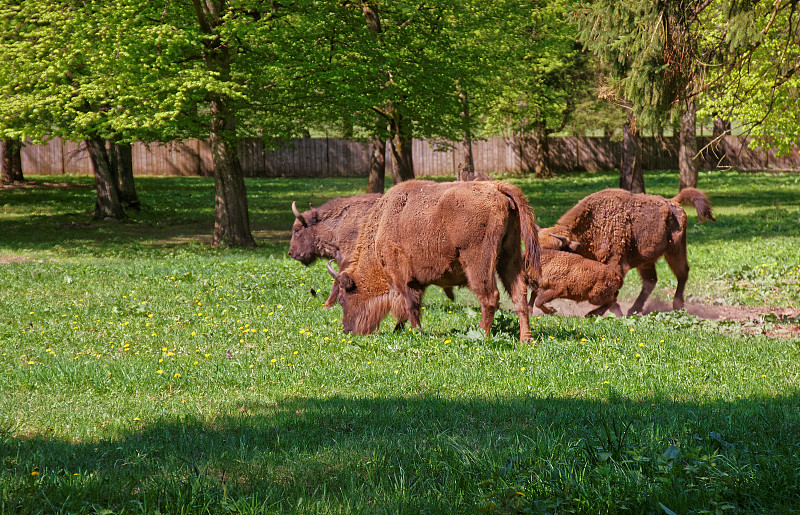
[(177, 211), (424, 453), (53, 212)]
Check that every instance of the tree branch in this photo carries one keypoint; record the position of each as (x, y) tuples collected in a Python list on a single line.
[(201, 17)]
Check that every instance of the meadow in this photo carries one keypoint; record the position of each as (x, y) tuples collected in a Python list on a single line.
[(143, 372)]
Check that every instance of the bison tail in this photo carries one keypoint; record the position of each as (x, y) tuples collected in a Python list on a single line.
[(529, 231), (700, 201)]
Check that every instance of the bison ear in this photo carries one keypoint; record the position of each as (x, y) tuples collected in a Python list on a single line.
[(346, 282)]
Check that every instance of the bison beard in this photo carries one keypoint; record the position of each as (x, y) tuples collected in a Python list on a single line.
[(625, 230), (449, 234)]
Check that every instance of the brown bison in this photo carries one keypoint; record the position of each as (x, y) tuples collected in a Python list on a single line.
[(450, 234), (569, 276), (331, 230), (625, 230)]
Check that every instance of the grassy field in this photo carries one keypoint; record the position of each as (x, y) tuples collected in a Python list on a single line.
[(143, 372)]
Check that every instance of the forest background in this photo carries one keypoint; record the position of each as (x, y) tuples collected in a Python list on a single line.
[(455, 72)]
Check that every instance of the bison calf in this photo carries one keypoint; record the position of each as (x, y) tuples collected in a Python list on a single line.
[(569, 276)]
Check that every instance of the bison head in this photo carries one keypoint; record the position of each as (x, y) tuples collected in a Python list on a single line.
[(346, 293), (362, 308), (552, 241), (303, 245)]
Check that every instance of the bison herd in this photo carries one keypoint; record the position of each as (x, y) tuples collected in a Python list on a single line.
[(388, 248)]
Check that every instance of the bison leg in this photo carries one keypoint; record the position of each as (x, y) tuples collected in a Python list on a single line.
[(613, 306), (514, 281), (680, 267), (448, 290), (543, 297), (413, 301), (649, 278)]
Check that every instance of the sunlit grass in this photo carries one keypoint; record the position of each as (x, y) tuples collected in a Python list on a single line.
[(142, 374)]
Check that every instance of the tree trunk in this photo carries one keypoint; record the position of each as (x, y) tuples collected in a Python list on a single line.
[(541, 146), (123, 153), (687, 162), (377, 166), (402, 157), (722, 128), (231, 216), (631, 177), (468, 160), (12, 162), (108, 205)]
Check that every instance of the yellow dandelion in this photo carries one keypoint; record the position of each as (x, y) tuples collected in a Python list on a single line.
[(159, 371)]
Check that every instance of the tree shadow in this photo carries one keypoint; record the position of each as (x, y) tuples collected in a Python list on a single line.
[(321, 449)]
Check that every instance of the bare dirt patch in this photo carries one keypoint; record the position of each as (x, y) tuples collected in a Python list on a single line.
[(12, 259), (29, 185), (774, 321)]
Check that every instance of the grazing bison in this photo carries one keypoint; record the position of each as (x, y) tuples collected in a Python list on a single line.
[(569, 276), (450, 234), (331, 230), (625, 230)]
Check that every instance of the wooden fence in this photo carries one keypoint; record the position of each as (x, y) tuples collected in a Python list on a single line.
[(330, 157)]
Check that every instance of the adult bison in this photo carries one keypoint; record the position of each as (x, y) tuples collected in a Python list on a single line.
[(449, 234), (627, 230), (331, 230)]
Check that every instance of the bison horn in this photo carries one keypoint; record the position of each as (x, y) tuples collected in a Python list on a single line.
[(296, 211), (331, 271), (560, 238)]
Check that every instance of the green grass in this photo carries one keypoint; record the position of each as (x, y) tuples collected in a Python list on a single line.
[(143, 372)]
